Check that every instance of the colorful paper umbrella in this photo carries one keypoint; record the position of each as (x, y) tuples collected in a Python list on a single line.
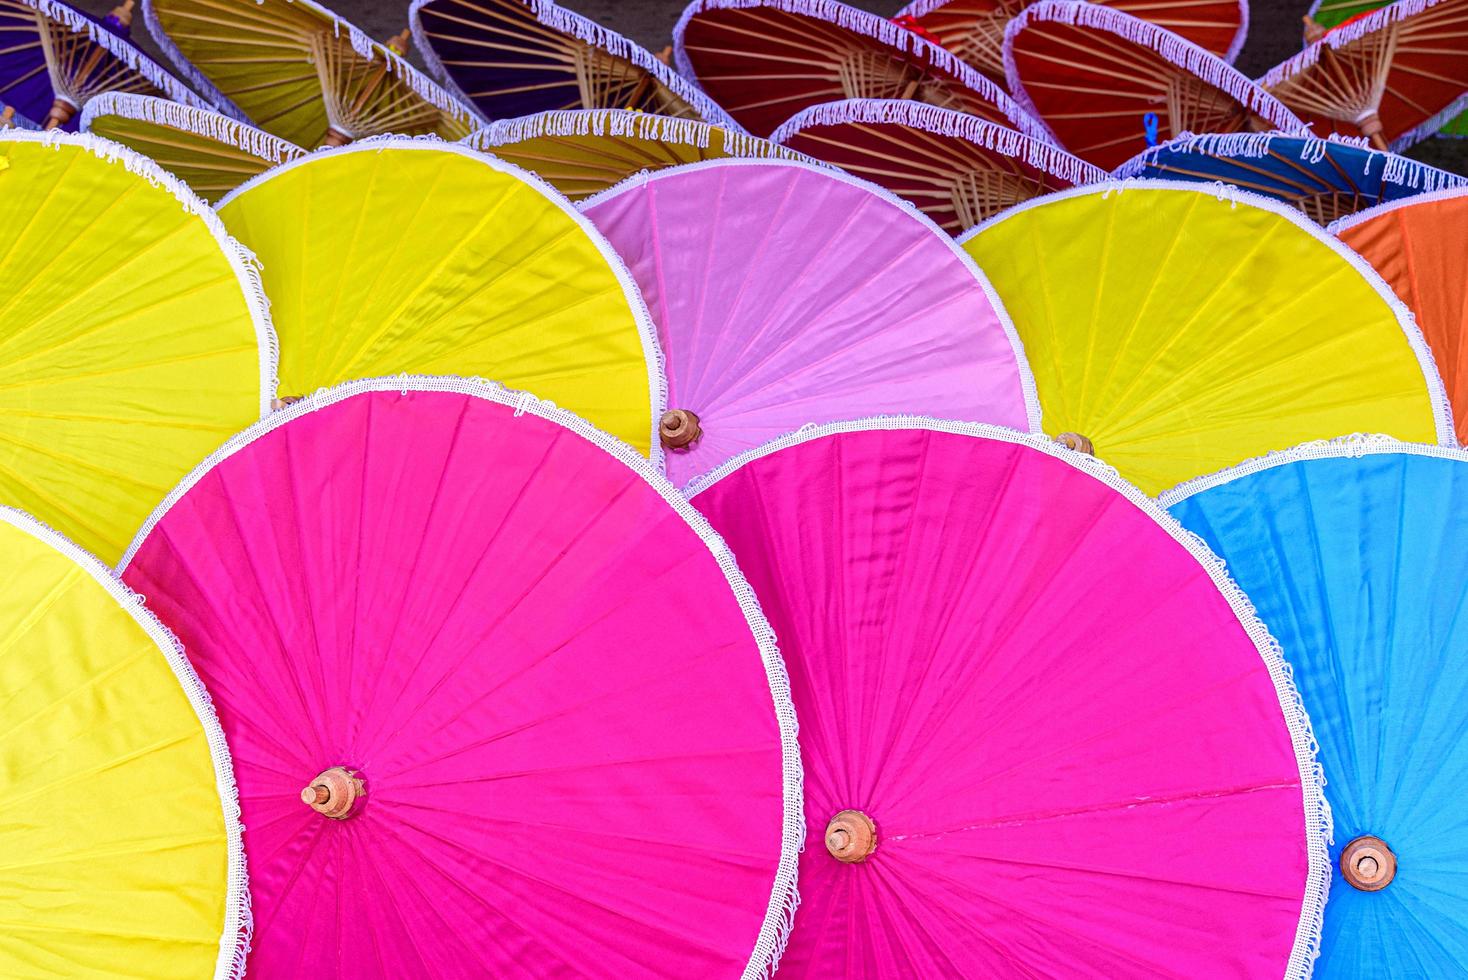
[(786, 294), (957, 168), (541, 725), (765, 60), (1353, 554), (300, 72), (1108, 85), (54, 59), (210, 152), (974, 29), (518, 57), (136, 337), (1326, 14), (1175, 329), (1043, 733), (1327, 179), (119, 821), (1394, 76), (405, 255), (10, 119), (585, 151), (1417, 246)]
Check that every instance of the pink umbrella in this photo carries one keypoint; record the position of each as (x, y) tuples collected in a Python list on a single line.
[(1044, 734), (499, 701), (787, 293)]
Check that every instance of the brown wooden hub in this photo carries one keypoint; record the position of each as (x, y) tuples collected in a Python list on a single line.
[(1076, 441), (335, 793), (678, 429), (1368, 864), (851, 836)]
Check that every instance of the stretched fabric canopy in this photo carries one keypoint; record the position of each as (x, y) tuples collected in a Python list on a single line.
[(974, 29), (10, 119), (404, 255), (787, 294), (586, 151), (54, 59), (121, 843), (1327, 14), (1394, 76), (1093, 75), (298, 71), (1177, 330), (445, 611), (765, 60), (1353, 554), (957, 168), (136, 337), (517, 57), (1004, 791), (212, 153), (1417, 247), (1326, 179)]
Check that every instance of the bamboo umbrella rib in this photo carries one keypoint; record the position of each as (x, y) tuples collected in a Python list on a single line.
[(519, 26)]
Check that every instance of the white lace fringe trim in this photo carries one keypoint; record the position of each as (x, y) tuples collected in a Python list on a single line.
[(1344, 35), (626, 124), (204, 123)]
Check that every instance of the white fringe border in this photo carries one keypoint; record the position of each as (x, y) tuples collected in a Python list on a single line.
[(590, 33), (1042, 155), (204, 123), (1318, 823), (652, 350), (420, 84), (1177, 51), (241, 259), (879, 30), (1437, 395), (784, 897), (234, 940), (121, 49), (1396, 170), (1458, 190), (1029, 393)]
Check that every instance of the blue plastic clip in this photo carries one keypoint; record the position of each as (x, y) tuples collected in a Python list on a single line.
[(1149, 125)]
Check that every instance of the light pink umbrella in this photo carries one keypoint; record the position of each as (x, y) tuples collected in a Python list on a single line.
[(787, 293), (1044, 734), (499, 702)]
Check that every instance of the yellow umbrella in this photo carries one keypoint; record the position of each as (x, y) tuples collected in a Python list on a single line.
[(300, 72), (210, 152), (401, 255), (1178, 329), (134, 337), (586, 151), (119, 821)]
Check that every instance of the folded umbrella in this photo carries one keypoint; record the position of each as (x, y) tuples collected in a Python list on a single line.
[(499, 701), (1353, 554), (1043, 733), (210, 152), (765, 60), (136, 338), (517, 57), (1416, 245), (1106, 84), (119, 820), (957, 168), (1175, 329), (786, 294), (581, 152), (1326, 179), (402, 255)]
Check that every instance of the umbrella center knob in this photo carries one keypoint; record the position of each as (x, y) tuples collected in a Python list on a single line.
[(679, 429), (334, 793), (851, 836), (1076, 441), (1368, 864)]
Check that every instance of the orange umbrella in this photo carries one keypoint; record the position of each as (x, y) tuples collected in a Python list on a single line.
[(1394, 75), (1417, 244), (1094, 76)]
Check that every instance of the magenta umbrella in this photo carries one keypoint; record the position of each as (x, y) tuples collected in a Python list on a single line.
[(498, 699), (788, 293), (1044, 734)]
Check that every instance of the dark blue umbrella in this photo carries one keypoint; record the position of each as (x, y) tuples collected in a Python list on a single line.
[(1325, 178)]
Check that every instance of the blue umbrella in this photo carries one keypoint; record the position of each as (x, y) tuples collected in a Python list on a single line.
[(1354, 553), (1325, 178)]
